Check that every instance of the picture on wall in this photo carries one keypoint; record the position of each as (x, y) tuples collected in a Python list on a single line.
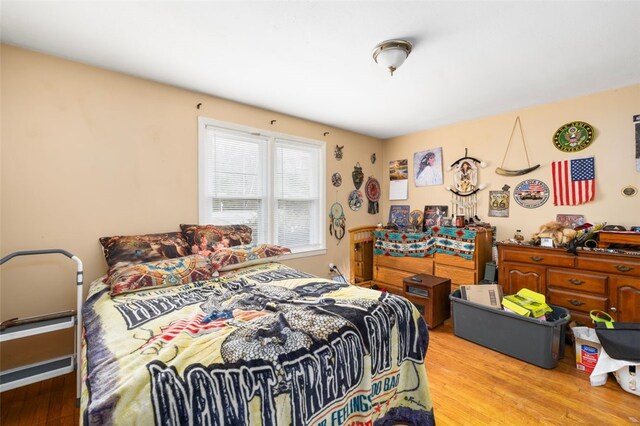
[(427, 167), (398, 179), (399, 216), (434, 216), (570, 220), (499, 203)]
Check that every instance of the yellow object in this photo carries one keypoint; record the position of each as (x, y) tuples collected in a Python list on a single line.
[(527, 303)]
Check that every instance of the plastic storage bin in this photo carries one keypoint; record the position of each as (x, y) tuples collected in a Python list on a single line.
[(537, 342)]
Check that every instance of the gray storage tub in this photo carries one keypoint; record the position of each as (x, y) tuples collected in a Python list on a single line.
[(537, 342)]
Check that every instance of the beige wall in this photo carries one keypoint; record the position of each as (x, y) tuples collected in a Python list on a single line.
[(610, 113), (88, 153)]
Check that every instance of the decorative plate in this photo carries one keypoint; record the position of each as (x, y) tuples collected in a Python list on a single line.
[(355, 200), (336, 179), (372, 189), (629, 191), (574, 136), (531, 193)]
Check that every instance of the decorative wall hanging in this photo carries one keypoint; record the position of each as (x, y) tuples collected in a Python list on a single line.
[(337, 152), (399, 179), (355, 200), (415, 221), (434, 216), (570, 220), (337, 221), (629, 191), (574, 136), (399, 216), (464, 201), (336, 179), (504, 172), (373, 158), (574, 181), (531, 193), (636, 121), (499, 203), (357, 175), (427, 167), (372, 190)]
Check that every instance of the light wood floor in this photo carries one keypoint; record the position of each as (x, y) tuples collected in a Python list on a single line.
[(470, 385)]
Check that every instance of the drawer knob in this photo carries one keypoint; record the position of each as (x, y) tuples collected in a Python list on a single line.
[(575, 302), (536, 258), (623, 268), (613, 309), (575, 282)]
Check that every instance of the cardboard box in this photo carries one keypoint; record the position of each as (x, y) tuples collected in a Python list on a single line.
[(588, 348), (527, 303), (485, 294)]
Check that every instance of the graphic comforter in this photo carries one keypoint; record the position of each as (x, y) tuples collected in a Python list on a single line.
[(264, 345)]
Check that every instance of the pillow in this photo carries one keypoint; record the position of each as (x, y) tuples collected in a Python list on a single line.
[(206, 239), (135, 249), (230, 258), (163, 273)]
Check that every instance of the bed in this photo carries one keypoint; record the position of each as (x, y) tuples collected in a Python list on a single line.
[(262, 344)]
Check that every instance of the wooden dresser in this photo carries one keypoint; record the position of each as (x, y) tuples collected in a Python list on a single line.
[(606, 281), (390, 271)]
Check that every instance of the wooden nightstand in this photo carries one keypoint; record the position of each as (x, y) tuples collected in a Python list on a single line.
[(430, 294)]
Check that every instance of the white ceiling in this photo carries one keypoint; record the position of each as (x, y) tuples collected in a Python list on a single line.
[(312, 59)]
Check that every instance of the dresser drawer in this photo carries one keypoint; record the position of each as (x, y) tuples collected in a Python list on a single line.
[(577, 281), (460, 262), (390, 275), (457, 276), (576, 301), (616, 266), (415, 265), (538, 257)]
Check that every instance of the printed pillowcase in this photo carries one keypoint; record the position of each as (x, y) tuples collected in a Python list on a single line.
[(163, 273), (206, 239), (135, 249), (230, 258)]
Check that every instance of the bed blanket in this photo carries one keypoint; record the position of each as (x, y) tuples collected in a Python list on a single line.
[(264, 345)]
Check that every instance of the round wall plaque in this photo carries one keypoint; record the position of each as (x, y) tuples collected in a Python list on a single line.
[(574, 136), (629, 191), (531, 193)]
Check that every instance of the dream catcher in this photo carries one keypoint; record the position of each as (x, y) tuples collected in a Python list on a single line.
[(337, 221), (464, 199), (372, 190), (415, 220), (357, 175)]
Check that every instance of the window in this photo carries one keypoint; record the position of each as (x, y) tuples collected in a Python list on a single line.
[(271, 182)]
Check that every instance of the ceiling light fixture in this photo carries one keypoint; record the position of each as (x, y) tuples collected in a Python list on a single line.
[(392, 53)]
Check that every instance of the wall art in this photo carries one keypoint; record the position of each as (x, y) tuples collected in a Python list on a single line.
[(574, 136), (499, 203), (337, 222), (355, 200), (574, 181), (505, 172), (636, 121), (399, 178), (531, 193), (357, 175), (336, 179), (434, 216), (427, 167), (570, 220), (372, 191), (399, 216), (337, 152)]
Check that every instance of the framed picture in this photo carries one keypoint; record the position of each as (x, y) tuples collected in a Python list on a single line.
[(399, 215), (570, 220), (546, 242), (427, 167), (434, 216)]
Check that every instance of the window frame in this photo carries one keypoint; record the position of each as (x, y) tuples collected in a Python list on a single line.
[(272, 138)]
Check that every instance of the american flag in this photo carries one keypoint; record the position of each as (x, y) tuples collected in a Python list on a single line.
[(574, 181)]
